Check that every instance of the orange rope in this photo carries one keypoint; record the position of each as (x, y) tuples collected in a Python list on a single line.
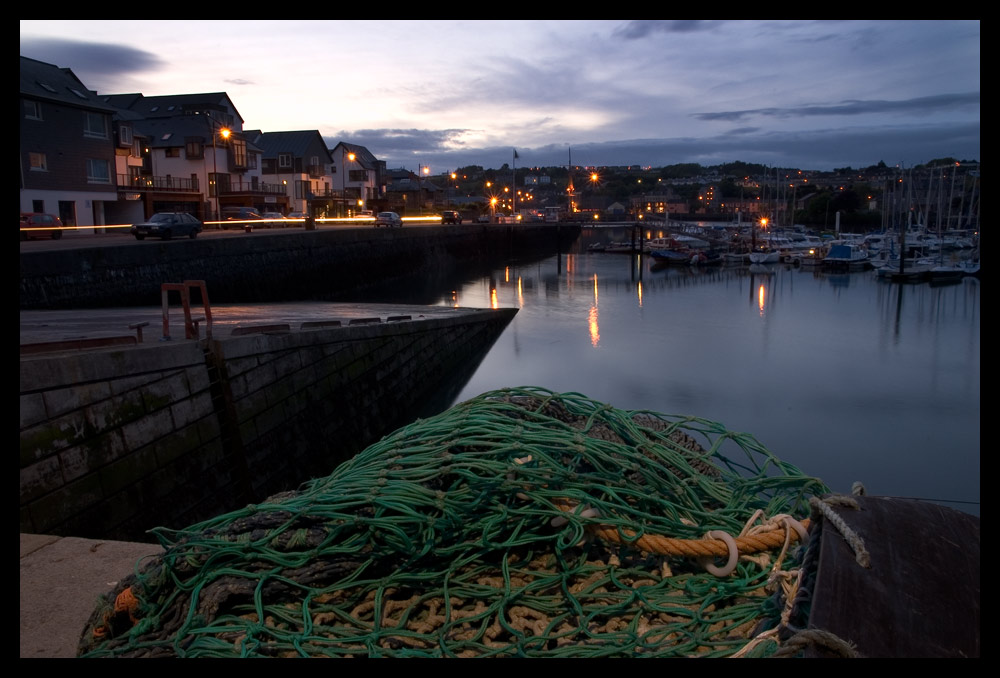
[(691, 548)]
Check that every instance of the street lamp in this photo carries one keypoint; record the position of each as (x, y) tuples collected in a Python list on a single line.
[(225, 132), (348, 156), (421, 170)]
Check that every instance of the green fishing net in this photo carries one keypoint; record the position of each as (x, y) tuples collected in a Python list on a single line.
[(514, 524)]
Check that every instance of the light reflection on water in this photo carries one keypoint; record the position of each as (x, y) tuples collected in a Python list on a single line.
[(845, 376)]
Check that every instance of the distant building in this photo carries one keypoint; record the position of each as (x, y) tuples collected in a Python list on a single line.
[(300, 162), (408, 193), (359, 176)]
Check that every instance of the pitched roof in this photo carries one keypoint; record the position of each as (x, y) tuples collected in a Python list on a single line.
[(40, 80), (298, 143), (168, 132), (362, 155), (176, 104)]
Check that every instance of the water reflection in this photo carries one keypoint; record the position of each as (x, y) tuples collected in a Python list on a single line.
[(845, 376)]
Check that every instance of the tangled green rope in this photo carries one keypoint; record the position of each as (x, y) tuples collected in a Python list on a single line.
[(466, 535)]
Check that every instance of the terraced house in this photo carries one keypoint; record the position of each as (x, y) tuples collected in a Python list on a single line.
[(67, 155)]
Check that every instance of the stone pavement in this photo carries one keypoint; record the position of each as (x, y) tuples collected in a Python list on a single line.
[(61, 580)]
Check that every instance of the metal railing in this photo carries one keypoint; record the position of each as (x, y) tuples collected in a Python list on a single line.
[(151, 183), (250, 188)]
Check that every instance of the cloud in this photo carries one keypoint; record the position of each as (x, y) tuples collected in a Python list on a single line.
[(818, 149), (635, 30), (93, 62), (400, 144), (239, 81), (916, 106)]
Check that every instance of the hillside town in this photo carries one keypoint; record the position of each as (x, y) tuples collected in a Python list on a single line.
[(94, 159)]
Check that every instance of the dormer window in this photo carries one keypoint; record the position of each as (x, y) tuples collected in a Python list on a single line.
[(285, 160), (124, 136)]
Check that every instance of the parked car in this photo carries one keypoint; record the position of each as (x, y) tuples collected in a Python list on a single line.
[(166, 225), (275, 219), (298, 215), (389, 219), (38, 225), (242, 214), (451, 217), (483, 219)]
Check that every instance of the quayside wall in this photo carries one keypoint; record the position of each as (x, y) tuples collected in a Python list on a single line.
[(328, 263), (116, 441)]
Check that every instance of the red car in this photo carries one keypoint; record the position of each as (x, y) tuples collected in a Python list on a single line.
[(37, 225)]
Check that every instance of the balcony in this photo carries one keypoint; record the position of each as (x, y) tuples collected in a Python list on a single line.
[(324, 194), (151, 183), (250, 188)]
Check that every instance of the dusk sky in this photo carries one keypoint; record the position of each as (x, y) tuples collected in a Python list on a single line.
[(812, 94)]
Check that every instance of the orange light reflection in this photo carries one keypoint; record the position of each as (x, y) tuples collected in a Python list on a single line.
[(760, 299), (595, 334)]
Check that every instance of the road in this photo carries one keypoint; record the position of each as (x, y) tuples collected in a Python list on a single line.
[(119, 236)]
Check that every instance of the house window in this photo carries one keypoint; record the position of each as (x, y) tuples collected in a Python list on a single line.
[(252, 161), (124, 136), (301, 189), (38, 163), (32, 110), (173, 152), (239, 147), (218, 184), (97, 171), (194, 150), (285, 160), (357, 175), (95, 125)]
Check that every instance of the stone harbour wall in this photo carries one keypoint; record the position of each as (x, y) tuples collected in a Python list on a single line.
[(328, 263), (114, 442)]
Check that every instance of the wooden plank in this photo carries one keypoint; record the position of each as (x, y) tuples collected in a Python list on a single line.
[(243, 330), (919, 598)]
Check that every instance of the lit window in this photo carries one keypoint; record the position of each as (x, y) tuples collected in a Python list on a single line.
[(97, 171), (38, 163), (239, 147)]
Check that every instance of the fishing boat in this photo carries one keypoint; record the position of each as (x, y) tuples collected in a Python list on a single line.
[(846, 255)]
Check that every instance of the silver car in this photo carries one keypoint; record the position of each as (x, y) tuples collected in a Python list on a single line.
[(390, 219), (166, 225)]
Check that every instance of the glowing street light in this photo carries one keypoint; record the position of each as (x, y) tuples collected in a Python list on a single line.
[(225, 133)]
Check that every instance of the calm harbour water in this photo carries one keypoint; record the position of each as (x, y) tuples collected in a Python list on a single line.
[(845, 376)]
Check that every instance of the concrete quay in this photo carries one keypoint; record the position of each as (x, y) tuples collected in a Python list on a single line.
[(62, 577), (61, 580)]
